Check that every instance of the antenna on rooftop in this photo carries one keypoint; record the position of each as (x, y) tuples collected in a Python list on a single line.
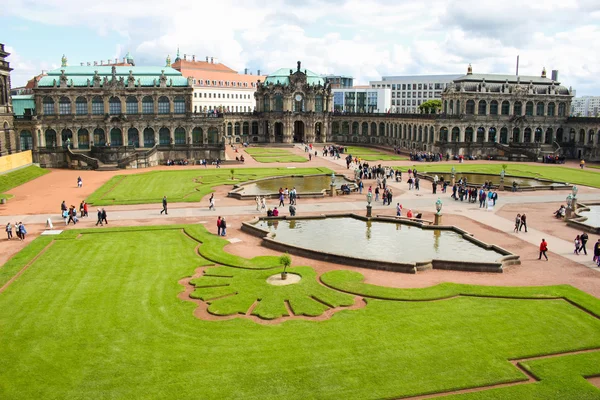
[(517, 66)]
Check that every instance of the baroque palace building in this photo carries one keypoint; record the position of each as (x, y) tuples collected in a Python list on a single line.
[(7, 138), (131, 116)]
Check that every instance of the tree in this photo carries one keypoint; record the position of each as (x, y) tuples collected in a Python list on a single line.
[(430, 106), (286, 261), (232, 173)]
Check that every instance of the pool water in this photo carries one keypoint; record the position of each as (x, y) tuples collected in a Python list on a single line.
[(480, 179), (377, 240), (593, 216), (306, 184)]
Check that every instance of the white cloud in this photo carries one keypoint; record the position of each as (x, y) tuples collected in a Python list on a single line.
[(363, 38)]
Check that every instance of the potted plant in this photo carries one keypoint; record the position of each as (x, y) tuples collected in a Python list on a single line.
[(286, 261), (232, 173)]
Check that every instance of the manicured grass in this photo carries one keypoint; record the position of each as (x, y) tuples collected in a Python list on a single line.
[(97, 316), (556, 173), (279, 155), (17, 178), (371, 154), (181, 185)]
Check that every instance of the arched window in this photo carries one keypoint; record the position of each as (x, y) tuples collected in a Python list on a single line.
[(365, 128), (527, 135), (381, 129), (516, 135), (255, 128), (505, 107), (81, 106), (492, 134), (213, 135), (581, 136), (236, 129), (114, 105), (443, 134), (529, 108), (116, 137), (67, 138), (148, 106), (164, 136), (148, 137), (481, 110), (197, 136), (480, 134), (504, 135), (179, 105), (278, 102), (493, 107), (469, 134), (64, 106), (48, 103), (179, 135), (83, 138), (245, 129), (548, 139), (470, 107), (559, 135), (266, 104), (163, 105), (50, 136), (591, 136), (561, 109), (133, 137), (455, 134), (132, 105), (318, 103), (25, 141), (538, 135), (539, 109), (451, 110), (229, 129), (518, 110), (551, 109), (99, 137), (97, 105)]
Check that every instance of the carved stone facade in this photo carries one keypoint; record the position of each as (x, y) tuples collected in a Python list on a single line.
[(7, 137)]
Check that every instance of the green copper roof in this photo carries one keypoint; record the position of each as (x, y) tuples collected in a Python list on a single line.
[(21, 102), (282, 76), (147, 75)]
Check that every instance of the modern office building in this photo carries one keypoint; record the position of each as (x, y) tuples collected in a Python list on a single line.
[(409, 91), (217, 88), (339, 81), (586, 106), (362, 99)]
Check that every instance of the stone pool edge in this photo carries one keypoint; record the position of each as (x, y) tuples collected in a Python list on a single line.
[(268, 241), (579, 220)]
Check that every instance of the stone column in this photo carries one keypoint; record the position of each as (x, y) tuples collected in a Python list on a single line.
[(75, 143), (486, 135), (461, 135), (42, 137)]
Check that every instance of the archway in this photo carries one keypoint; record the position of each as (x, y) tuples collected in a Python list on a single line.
[(99, 137), (318, 132), (67, 138), (133, 137), (83, 138), (279, 132), (148, 137), (299, 132)]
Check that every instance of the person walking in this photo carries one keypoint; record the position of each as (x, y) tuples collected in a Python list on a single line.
[(263, 203), (79, 182), (63, 208), (219, 226), (223, 227), (597, 253), (543, 249), (99, 218), (18, 229), (517, 223), (417, 180), (104, 216), (584, 239), (85, 209), (577, 242), (211, 202), (164, 204), (9, 231), (292, 210), (257, 203), (523, 223), (281, 198), (22, 231), (398, 210)]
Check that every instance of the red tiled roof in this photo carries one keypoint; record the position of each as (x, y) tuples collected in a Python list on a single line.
[(30, 82), (187, 66), (224, 77)]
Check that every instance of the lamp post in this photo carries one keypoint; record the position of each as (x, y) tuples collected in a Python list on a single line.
[(369, 199), (453, 171), (438, 214), (332, 192)]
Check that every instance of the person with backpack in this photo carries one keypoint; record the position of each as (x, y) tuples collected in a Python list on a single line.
[(584, 239), (164, 204)]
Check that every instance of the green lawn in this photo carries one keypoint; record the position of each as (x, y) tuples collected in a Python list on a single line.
[(274, 155), (372, 154), (181, 185), (97, 316), (577, 176), (16, 178)]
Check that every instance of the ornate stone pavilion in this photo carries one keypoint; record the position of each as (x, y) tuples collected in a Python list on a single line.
[(7, 138), (295, 106), (138, 116)]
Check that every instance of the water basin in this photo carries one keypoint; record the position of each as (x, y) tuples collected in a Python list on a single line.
[(303, 184), (480, 179), (377, 240), (593, 216)]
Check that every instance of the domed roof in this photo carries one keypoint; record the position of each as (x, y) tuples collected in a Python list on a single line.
[(282, 76)]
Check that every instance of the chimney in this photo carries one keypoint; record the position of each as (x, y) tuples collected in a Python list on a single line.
[(95, 63), (194, 58), (258, 72), (101, 62), (555, 75), (108, 62), (211, 60), (245, 71), (206, 58), (185, 57)]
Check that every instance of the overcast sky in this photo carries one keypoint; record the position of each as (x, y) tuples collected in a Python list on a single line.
[(366, 39)]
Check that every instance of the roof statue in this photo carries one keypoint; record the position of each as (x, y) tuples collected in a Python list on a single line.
[(168, 64), (544, 72), (470, 70), (63, 61), (298, 66), (177, 58)]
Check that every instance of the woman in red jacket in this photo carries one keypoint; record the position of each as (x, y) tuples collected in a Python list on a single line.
[(543, 249)]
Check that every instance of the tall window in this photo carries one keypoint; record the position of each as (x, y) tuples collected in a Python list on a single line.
[(131, 105), (551, 109), (518, 108), (470, 107), (64, 106), (529, 108), (97, 105), (505, 107), (540, 109), (179, 105), (163, 105), (81, 107), (561, 109), (493, 107), (482, 107), (148, 106), (180, 136), (278, 102), (266, 104), (114, 105), (48, 106)]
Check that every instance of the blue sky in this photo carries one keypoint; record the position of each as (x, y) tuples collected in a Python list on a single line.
[(363, 38)]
